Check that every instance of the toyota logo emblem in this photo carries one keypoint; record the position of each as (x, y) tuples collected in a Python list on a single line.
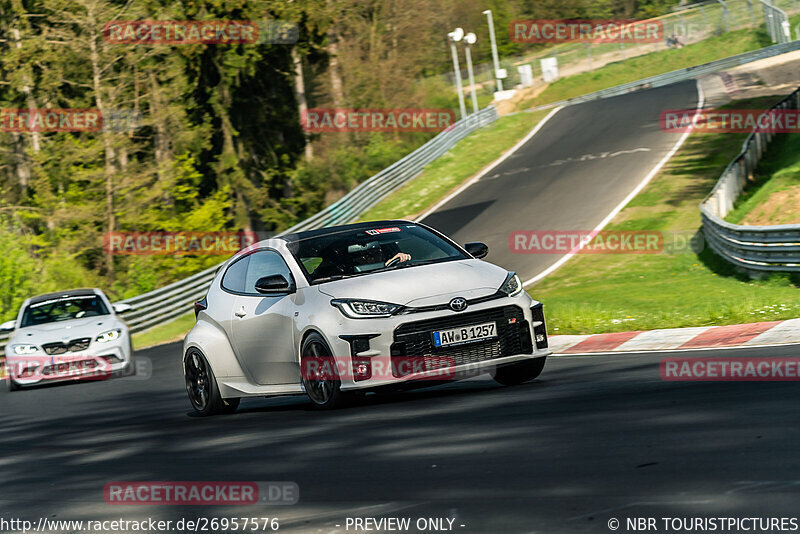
[(458, 304)]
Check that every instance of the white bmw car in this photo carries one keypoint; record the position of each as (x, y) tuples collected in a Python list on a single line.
[(333, 311), (70, 335)]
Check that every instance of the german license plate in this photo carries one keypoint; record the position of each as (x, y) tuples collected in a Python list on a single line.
[(465, 334)]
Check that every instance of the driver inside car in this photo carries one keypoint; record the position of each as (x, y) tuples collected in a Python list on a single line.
[(392, 251)]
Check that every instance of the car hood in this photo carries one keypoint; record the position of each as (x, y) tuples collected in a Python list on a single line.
[(425, 285), (66, 330)]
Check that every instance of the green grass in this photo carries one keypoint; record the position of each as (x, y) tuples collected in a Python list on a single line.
[(595, 293), (172, 331), (637, 68), (779, 170), (449, 171)]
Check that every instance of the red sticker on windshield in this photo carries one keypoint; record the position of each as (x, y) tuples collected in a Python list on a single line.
[(380, 231)]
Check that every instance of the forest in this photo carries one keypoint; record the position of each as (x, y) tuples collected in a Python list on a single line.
[(207, 137)]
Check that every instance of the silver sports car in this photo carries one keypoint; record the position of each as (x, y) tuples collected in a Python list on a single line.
[(69, 335), (333, 311)]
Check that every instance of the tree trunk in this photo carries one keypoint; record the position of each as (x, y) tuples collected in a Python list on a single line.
[(333, 69), (161, 143), (300, 92), (24, 170), (110, 220)]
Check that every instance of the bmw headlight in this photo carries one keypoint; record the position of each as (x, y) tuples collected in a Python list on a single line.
[(111, 335), (25, 349), (512, 286), (362, 309)]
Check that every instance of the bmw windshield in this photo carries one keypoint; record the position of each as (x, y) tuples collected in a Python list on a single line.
[(353, 252), (63, 309)]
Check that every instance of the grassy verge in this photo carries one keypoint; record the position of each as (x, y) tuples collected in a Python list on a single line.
[(618, 73), (452, 169), (594, 293), (774, 196), (172, 331)]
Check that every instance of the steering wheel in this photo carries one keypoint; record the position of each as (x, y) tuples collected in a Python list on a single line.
[(394, 261)]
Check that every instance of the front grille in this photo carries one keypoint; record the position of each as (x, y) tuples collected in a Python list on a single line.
[(54, 348), (68, 367), (74, 345), (414, 341)]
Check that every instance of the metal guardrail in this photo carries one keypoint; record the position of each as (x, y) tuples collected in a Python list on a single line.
[(668, 78), (176, 299), (372, 191), (754, 248), (171, 301), (777, 22)]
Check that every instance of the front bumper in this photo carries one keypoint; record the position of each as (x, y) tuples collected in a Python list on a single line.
[(379, 352), (98, 361)]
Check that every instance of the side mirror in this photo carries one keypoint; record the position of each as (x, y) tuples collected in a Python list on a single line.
[(274, 284), (7, 326), (477, 249), (121, 307)]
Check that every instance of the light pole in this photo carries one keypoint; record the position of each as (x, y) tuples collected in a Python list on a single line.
[(470, 39), (495, 59), (455, 36)]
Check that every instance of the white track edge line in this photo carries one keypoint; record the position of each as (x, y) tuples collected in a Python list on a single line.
[(491, 166), (561, 261)]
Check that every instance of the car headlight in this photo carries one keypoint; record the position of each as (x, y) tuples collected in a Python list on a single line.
[(25, 349), (111, 335), (512, 286), (361, 309)]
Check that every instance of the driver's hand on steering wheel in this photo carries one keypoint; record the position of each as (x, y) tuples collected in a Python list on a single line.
[(400, 257)]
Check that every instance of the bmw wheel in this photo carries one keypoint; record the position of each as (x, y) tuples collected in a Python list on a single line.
[(519, 373), (201, 384), (319, 375), (12, 386)]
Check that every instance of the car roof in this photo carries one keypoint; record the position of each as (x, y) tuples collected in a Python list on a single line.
[(85, 292), (299, 236)]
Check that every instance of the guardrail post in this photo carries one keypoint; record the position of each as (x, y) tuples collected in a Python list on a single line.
[(725, 15)]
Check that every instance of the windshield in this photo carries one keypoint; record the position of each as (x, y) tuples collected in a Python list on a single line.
[(360, 251), (63, 309)]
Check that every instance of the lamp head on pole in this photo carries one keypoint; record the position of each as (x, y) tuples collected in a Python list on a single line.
[(470, 38), (456, 35)]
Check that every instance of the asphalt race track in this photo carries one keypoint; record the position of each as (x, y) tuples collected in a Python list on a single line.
[(594, 438), (584, 161)]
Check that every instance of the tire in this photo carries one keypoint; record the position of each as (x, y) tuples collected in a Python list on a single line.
[(202, 387), (12, 386), (128, 370), (324, 392), (519, 373)]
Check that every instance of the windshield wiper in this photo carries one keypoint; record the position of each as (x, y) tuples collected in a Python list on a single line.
[(405, 264)]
